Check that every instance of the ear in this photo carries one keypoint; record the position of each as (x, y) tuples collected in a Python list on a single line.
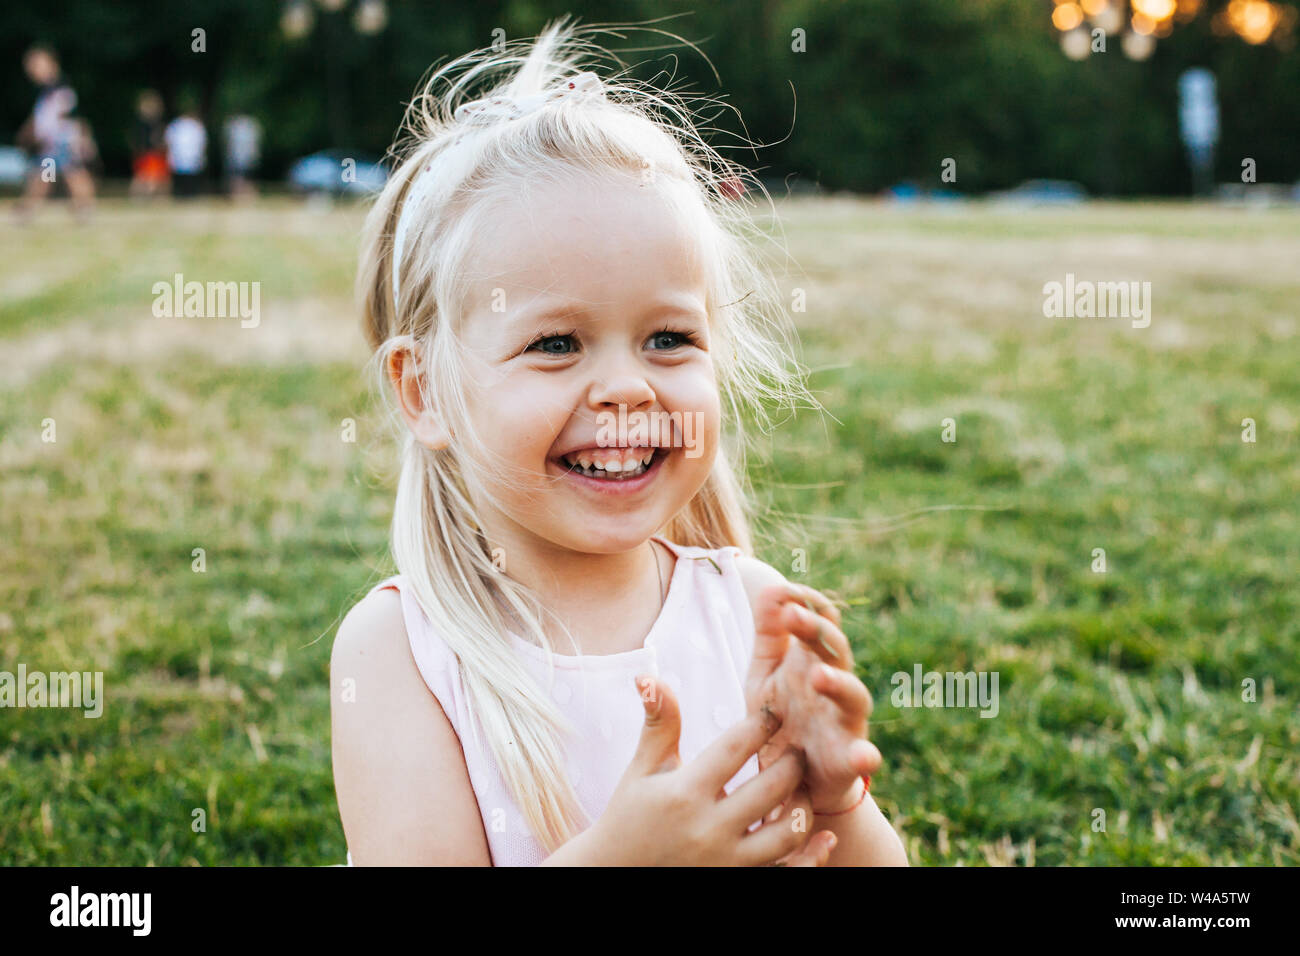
[(426, 424)]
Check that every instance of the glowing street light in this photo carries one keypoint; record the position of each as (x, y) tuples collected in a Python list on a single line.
[(1109, 18), (371, 16), (1067, 16), (1138, 46), (1254, 21), (1155, 10), (297, 19), (1076, 44)]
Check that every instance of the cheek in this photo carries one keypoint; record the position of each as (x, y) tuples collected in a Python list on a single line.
[(697, 397), (700, 394), (517, 418)]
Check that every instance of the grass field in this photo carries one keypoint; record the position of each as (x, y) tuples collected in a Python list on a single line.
[(1120, 691)]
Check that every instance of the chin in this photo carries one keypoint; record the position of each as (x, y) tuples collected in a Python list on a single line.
[(606, 536)]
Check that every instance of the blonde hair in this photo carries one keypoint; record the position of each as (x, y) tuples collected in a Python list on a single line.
[(437, 542)]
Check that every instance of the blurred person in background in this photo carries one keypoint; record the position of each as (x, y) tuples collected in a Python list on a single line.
[(85, 147), (54, 138), (243, 151), (187, 152), (149, 173)]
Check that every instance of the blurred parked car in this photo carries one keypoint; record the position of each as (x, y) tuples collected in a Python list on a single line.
[(910, 192), (13, 166), (1042, 192), (337, 172), (1257, 194)]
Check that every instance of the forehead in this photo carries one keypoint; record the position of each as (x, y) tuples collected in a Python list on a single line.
[(599, 241)]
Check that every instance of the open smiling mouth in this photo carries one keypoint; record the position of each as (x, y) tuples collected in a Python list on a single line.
[(619, 469)]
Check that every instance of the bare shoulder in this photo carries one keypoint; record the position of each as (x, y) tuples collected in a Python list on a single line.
[(371, 647), (372, 631), (404, 791)]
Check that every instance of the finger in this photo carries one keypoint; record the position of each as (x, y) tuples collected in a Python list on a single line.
[(781, 838), (816, 602), (839, 770), (819, 635), (722, 759), (657, 749), (865, 758), (771, 638), (816, 852), (844, 689), (765, 791)]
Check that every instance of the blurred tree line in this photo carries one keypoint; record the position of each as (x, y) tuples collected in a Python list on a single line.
[(884, 91)]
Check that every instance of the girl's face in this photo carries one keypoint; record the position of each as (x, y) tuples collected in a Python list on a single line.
[(588, 372)]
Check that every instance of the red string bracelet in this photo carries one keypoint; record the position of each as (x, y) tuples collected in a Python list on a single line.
[(866, 785)]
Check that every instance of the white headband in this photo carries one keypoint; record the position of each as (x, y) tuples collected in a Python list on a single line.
[(483, 112)]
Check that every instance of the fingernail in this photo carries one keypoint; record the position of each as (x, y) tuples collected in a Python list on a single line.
[(833, 840)]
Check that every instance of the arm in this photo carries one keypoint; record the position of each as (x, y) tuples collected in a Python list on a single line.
[(404, 792), (579, 851), (864, 837)]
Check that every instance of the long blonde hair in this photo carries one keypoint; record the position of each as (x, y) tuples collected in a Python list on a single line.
[(437, 541)]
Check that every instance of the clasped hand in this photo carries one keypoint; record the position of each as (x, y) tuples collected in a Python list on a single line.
[(802, 671)]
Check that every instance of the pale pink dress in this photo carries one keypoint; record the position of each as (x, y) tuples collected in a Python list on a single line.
[(700, 646)]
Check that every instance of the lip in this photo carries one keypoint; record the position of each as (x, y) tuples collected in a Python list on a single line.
[(601, 486)]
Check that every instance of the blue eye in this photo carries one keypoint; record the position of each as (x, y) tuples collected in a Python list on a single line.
[(554, 344), (668, 339)]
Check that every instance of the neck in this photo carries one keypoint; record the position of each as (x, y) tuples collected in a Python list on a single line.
[(608, 602)]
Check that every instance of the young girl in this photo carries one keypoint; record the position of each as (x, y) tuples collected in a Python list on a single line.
[(580, 662)]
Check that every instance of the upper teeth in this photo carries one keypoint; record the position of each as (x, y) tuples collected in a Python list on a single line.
[(626, 459)]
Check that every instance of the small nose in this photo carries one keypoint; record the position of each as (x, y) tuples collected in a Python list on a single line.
[(621, 383)]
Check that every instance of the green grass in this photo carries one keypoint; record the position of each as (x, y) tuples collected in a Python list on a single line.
[(1119, 692)]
